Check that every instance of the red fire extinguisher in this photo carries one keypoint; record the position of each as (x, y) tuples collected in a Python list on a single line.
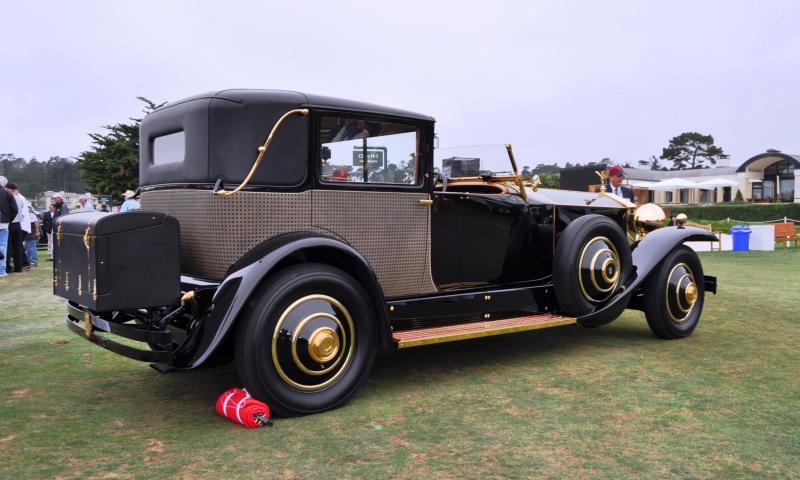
[(237, 405)]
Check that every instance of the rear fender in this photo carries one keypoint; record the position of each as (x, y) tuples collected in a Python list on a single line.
[(236, 290), (646, 255)]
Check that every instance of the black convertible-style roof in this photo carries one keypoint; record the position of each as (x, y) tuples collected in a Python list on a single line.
[(222, 131), (303, 100)]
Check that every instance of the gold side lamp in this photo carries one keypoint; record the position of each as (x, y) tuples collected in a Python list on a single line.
[(262, 150), (649, 217)]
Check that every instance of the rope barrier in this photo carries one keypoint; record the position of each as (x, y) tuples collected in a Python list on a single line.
[(779, 220)]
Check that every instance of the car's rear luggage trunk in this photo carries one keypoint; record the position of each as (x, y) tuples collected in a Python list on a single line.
[(117, 261)]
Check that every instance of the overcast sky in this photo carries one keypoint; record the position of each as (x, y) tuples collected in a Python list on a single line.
[(561, 81)]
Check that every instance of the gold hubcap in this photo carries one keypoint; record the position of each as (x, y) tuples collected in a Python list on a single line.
[(691, 293), (681, 293), (313, 343), (323, 345), (598, 270)]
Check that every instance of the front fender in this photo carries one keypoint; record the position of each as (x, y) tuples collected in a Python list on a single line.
[(646, 255), (236, 290)]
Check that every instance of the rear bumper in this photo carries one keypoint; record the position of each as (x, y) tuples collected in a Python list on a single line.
[(710, 284), (88, 325)]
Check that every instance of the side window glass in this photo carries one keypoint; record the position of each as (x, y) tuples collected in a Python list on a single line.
[(359, 151)]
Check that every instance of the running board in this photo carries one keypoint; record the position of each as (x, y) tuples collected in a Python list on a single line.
[(464, 331)]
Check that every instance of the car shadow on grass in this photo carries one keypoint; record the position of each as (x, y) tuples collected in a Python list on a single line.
[(400, 370)]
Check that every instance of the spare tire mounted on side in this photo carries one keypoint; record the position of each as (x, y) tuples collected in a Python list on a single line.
[(592, 259)]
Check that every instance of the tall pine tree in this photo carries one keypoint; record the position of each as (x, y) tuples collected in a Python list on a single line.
[(112, 164), (691, 150)]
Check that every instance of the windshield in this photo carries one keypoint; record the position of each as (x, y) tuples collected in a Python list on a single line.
[(472, 160)]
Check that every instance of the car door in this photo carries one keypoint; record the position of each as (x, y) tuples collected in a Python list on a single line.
[(371, 192)]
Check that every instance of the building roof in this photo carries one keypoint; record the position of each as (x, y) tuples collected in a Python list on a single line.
[(658, 175), (777, 155)]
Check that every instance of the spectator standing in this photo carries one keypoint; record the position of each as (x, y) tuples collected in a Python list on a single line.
[(8, 210), (16, 249), (616, 175), (47, 228), (86, 205), (59, 210), (32, 240), (130, 203)]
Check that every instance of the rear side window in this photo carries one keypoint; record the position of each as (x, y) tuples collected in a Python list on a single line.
[(360, 151), (169, 148)]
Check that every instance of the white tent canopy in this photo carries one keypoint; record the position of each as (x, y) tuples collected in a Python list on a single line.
[(673, 184), (639, 184), (713, 183)]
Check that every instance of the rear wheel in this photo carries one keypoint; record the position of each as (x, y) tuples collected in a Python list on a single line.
[(674, 295), (307, 341)]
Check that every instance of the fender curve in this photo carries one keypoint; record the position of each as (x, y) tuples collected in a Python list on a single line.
[(235, 291), (646, 255)]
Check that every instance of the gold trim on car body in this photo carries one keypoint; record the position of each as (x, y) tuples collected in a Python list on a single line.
[(262, 151)]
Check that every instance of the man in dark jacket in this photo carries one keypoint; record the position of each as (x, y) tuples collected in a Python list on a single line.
[(615, 176), (8, 210), (57, 209)]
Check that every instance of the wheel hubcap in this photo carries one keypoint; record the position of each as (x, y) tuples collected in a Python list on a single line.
[(313, 342), (599, 270), (323, 344), (681, 293)]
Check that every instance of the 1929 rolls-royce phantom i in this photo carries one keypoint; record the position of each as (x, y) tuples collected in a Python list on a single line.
[(298, 234)]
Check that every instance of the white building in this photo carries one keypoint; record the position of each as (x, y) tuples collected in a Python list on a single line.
[(766, 177)]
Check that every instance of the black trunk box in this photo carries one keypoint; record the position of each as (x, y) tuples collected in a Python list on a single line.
[(117, 261)]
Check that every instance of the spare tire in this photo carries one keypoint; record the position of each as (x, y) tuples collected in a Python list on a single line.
[(592, 259)]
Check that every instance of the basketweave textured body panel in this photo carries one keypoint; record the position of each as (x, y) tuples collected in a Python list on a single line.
[(388, 228)]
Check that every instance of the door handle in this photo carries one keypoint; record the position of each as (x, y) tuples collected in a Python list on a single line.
[(425, 201)]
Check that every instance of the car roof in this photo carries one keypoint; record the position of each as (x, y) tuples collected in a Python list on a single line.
[(302, 100)]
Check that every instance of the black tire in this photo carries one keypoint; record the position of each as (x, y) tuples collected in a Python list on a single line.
[(307, 341), (575, 275), (669, 309)]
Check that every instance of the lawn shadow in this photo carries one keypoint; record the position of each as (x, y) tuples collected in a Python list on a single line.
[(395, 371)]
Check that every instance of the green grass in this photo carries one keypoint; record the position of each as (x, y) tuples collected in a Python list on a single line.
[(568, 402)]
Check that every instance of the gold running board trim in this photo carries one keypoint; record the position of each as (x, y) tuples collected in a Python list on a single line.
[(466, 331)]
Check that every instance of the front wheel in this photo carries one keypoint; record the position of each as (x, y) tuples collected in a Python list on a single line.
[(674, 295), (307, 341)]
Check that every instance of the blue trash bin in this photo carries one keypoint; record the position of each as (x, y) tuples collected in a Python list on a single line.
[(741, 238)]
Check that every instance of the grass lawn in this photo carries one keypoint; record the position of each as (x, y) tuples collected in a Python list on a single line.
[(568, 402)]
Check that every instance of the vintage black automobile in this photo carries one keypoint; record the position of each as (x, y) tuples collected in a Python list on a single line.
[(298, 234)]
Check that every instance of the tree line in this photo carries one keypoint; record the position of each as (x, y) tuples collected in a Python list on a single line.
[(34, 177)]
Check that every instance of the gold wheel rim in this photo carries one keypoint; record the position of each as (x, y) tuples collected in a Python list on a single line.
[(343, 352), (612, 281), (685, 295), (296, 337)]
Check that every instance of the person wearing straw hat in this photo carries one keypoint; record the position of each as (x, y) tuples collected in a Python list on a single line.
[(130, 203)]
